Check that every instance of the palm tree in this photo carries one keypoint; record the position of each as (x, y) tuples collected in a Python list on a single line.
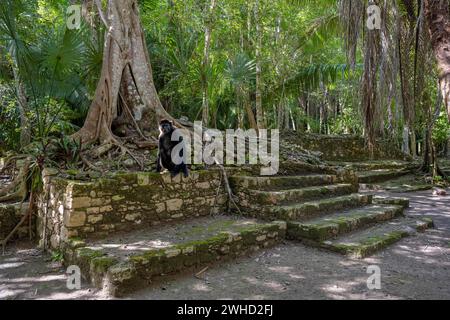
[(240, 72)]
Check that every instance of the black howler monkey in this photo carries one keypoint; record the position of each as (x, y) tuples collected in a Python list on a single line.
[(166, 146)]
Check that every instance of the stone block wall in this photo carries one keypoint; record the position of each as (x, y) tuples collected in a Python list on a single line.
[(123, 202), (344, 148)]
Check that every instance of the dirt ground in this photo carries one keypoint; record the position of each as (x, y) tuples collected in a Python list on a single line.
[(415, 268)]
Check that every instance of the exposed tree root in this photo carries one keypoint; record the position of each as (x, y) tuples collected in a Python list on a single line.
[(217, 196), (11, 160), (231, 196), (17, 189), (136, 125), (18, 195), (109, 144), (88, 164), (16, 182)]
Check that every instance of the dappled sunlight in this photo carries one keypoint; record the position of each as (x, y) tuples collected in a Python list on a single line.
[(10, 265), (203, 287), (74, 295), (47, 278), (134, 246), (8, 293), (154, 238), (271, 285), (289, 271)]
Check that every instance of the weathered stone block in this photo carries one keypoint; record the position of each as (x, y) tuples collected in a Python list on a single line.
[(174, 204), (108, 208), (93, 210), (143, 179), (160, 207), (95, 218), (133, 217), (75, 219), (203, 185), (81, 202)]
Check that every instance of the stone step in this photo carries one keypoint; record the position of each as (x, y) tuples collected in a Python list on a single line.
[(367, 242), (281, 182), (375, 165), (331, 226), (312, 209), (251, 197), (129, 261), (377, 176), (397, 201)]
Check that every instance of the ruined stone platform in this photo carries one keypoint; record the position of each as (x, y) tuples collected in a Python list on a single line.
[(128, 230)]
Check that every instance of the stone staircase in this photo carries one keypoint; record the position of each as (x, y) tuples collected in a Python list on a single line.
[(327, 212)]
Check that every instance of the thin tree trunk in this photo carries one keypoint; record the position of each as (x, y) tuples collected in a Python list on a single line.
[(25, 130), (405, 147), (437, 13), (248, 109), (209, 10), (259, 109), (447, 149)]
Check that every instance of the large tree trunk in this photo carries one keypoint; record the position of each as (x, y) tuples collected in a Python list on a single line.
[(438, 16), (125, 93), (369, 86), (405, 45)]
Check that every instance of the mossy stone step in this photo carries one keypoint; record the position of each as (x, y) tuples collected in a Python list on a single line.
[(261, 197), (129, 261), (377, 176), (398, 201), (281, 182), (367, 242), (409, 188), (312, 209), (375, 165), (331, 226)]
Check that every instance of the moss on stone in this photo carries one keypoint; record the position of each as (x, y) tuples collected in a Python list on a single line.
[(219, 225), (429, 222), (369, 245), (75, 243), (89, 254), (102, 264)]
